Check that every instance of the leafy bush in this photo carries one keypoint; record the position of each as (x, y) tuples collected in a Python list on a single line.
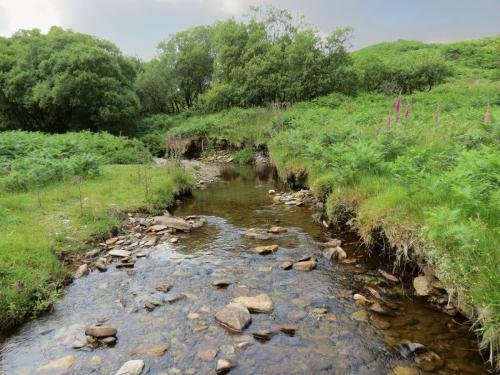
[(31, 160)]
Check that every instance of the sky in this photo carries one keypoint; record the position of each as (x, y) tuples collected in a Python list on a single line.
[(137, 26)]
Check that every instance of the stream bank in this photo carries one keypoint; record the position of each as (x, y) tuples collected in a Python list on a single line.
[(333, 331)]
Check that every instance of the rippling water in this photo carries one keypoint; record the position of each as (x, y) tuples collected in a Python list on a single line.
[(330, 344)]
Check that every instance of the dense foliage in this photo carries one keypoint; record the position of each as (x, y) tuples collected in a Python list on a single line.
[(30, 160), (65, 81)]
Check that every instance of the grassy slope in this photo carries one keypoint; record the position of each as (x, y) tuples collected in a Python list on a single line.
[(429, 183), (32, 237)]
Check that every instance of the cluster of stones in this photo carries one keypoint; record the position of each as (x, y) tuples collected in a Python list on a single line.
[(299, 198), (139, 234)]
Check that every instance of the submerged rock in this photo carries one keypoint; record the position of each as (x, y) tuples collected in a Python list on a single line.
[(263, 335), (288, 329), (133, 367), (260, 304), (388, 276), (234, 317), (429, 361), (57, 366), (221, 283)]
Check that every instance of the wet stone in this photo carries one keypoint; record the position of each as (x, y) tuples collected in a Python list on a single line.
[(288, 329), (133, 367), (152, 350), (263, 335), (234, 317), (221, 283), (260, 304), (305, 266), (286, 265), (263, 250), (277, 230), (100, 331), (223, 366), (120, 253), (421, 285)]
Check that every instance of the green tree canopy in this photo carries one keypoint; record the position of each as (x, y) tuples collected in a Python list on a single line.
[(65, 80)]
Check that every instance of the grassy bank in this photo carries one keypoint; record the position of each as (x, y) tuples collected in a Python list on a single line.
[(427, 182), (39, 226)]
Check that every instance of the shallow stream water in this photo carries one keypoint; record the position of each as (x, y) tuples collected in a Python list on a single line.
[(331, 343)]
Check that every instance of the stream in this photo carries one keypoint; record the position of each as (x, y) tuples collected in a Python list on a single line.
[(334, 334)]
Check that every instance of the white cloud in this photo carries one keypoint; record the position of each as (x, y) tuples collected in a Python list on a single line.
[(226, 7), (28, 14)]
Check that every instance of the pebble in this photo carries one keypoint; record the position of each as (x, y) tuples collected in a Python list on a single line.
[(133, 367), (100, 331), (223, 366), (261, 303), (306, 266)]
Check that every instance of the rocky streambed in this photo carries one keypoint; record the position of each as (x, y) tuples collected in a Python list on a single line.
[(239, 280)]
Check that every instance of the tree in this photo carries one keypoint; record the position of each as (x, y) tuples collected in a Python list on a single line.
[(65, 81), (188, 56)]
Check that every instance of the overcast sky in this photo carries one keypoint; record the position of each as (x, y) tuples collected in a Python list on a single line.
[(137, 26)]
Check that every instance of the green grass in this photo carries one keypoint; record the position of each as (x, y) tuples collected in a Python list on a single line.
[(430, 183), (38, 228)]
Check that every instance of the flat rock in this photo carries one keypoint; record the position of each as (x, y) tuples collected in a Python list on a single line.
[(112, 241), (257, 234), (388, 276), (287, 265), (153, 350), (263, 250), (234, 317), (81, 271), (158, 228), (277, 230), (361, 299), (120, 253), (133, 367), (100, 331), (421, 285), (223, 366), (57, 366), (173, 222), (306, 266), (260, 304)]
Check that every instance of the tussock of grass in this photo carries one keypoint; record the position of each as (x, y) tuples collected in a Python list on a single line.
[(38, 227)]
